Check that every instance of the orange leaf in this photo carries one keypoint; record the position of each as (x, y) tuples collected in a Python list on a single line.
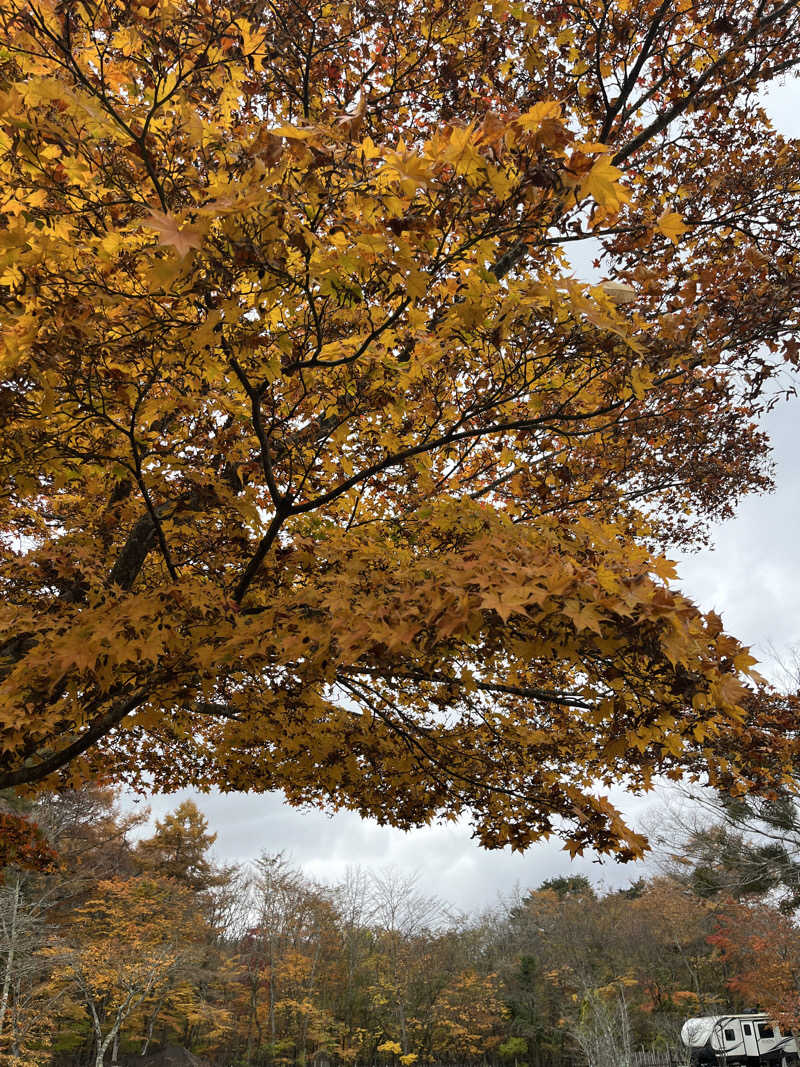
[(172, 234)]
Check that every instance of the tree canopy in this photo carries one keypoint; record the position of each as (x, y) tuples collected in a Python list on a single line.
[(321, 470)]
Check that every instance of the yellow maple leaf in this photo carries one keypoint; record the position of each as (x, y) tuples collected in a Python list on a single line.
[(535, 116), (671, 225), (664, 568), (575, 848), (584, 618), (602, 184), (294, 133), (409, 167)]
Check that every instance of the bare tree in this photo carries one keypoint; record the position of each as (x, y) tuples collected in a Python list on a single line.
[(602, 1029)]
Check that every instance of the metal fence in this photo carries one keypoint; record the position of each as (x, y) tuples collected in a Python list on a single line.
[(657, 1057)]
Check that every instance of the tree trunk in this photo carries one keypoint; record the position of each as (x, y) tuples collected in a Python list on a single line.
[(112, 1037), (403, 1031), (271, 995), (151, 1022), (15, 1037), (12, 939)]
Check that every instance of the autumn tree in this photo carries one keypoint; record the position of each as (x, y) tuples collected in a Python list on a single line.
[(120, 946), (281, 959), (761, 946), (406, 981), (321, 470), (27, 1005), (84, 836), (468, 1017), (357, 949), (57, 924), (178, 849)]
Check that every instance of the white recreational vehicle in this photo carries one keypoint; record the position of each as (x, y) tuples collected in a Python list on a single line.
[(746, 1040)]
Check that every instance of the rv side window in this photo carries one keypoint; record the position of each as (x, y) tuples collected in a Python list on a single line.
[(765, 1030), (747, 1029), (730, 1034)]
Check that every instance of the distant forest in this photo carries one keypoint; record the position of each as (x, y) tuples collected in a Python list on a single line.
[(124, 947)]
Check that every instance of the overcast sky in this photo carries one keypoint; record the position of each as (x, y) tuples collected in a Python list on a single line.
[(750, 576)]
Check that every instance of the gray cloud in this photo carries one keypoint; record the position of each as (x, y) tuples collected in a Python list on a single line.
[(451, 866), (750, 575)]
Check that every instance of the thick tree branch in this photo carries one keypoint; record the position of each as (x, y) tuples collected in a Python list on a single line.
[(436, 678), (35, 772)]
